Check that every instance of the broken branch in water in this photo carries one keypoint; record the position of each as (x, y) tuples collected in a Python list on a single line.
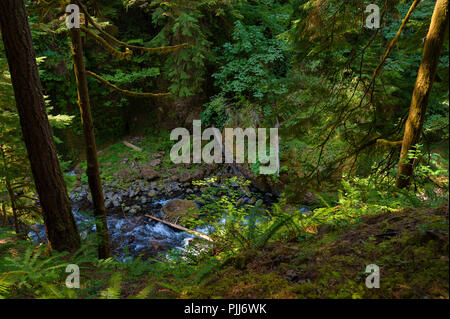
[(193, 232)]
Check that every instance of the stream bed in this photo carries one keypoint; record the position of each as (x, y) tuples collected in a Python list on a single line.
[(132, 233)]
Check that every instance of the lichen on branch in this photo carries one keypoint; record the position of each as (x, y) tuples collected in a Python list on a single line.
[(126, 92)]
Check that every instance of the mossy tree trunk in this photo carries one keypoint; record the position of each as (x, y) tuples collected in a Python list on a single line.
[(422, 89), (93, 169), (59, 221)]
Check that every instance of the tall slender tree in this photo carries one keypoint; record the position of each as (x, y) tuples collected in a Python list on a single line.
[(59, 221), (422, 89), (93, 168)]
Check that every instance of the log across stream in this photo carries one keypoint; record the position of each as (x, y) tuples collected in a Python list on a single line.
[(144, 233)]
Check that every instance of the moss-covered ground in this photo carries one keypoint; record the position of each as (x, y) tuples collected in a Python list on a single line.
[(410, 247)]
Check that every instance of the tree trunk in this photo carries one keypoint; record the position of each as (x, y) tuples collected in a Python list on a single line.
[(61, 228), (5, 215), (12, 199), (422, 89), (93, 170), (11, 195)]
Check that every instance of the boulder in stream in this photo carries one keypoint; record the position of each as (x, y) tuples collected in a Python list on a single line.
[(178, 211)]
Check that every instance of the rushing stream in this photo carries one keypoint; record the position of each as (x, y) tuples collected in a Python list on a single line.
[(132, 233)]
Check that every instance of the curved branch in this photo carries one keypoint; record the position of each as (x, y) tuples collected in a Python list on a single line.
[(104, 44), (126, 92), (397, 36)]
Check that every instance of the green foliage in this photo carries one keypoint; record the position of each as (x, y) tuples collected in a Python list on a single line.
[(307, 65), (216, 112), (252, 63), (16, 182), (332, 111), (30, 270), (253, 235), (358, 197), (233, 225), (113, 291)]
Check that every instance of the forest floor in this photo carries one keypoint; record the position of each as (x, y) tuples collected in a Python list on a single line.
[(409, 246)]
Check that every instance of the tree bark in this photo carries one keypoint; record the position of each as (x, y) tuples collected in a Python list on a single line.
[(60, 224), (12, 199), (422, 89), (5, 215), (93, 169)]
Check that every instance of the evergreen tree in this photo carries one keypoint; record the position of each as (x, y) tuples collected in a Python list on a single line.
[(59, 221)]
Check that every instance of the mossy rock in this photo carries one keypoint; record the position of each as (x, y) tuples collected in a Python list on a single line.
[(180, 211)]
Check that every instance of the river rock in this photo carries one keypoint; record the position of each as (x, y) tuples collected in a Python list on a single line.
[(149, 173), (198, 174), (185, 177), (179, 210)]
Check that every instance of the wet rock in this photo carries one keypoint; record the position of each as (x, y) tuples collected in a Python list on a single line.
[(149, 173), (185, 177), (198, 174), (178, 210)]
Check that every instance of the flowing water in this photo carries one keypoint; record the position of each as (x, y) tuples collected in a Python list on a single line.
[(130, 235)]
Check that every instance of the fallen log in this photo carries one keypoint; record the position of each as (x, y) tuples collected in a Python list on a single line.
[(132, 146), (193, 232)]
